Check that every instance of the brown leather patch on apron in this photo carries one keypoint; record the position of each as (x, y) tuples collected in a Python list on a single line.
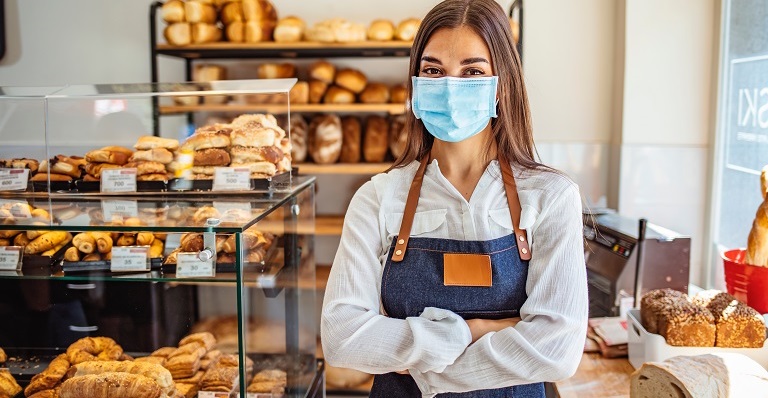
[(467, 270)]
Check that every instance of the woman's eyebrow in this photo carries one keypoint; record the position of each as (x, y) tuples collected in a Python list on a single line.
[(433, 60), (474, 61)]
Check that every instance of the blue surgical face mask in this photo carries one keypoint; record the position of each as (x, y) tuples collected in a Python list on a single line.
[(454, 108)]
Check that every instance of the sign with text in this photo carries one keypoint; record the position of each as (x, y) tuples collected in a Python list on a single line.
[(232, 179), (10, 258), (13, 179), (130, 258), (119, 209), (747, 115), (188, 265), (118, 180)]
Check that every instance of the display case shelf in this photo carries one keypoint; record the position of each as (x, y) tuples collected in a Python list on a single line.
[(302, 49), (392, 109), (342, 168)]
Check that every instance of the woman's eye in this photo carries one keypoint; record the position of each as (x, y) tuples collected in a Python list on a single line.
[(430, 71), (474, 72)]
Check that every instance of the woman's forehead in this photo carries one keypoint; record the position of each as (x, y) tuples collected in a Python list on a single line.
[(456, 45)]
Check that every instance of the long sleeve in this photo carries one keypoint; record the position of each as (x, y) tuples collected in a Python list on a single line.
[(548, 342), (354, 332)]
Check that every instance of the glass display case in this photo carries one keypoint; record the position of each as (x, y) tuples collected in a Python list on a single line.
[(195, 291)]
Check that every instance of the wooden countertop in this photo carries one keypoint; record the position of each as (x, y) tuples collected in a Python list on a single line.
[(597, 377)]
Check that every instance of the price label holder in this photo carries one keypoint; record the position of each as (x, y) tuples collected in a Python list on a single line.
[(10, 258), (231, 179), (130, 259), (118, 180), (119, 209), (188, 265), (212, 394), (14, 179)]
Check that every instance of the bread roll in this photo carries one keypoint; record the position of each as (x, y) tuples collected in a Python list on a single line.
[(325, 137), (211, 157), (160, 155), (381, 30), (111, 154), (173, 11), (317, 90), (205, 140), (351, 140), (178, 34), (299, 138), (351, 79), (321, 32), (276, 71), (210, 73), (236, 31), (143, 168), (289, 29), (398, 94), (149, 142), (253, 137), (241, 154), (199, 12), (261, 19), (338, 95), (323, 71), (205, 33), (398, 139), (376, 142), (375, 93), (406, 30), (348, 32), (232, 12), (300, 93)]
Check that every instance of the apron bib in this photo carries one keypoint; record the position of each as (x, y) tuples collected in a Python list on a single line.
[(417, 280)]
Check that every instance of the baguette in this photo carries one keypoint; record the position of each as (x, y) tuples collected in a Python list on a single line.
[(45, 242), (55, 249), (5, 234)]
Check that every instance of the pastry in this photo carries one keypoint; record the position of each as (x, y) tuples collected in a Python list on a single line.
[(163, 352), (207, 339), (298, 138), (398, 94), (50, 377), (155, 372), (53, 177), (205, 140), (325, 137), (276, 71), (351, 79), (317, 90), (8, 385), (211, 157), (93, 348), (406, 30), (150, 359), (323, 71), (112, 155), (299, 93), (84, 242), (351, 140), (205, 33), (251, 240), (63, 165), (153, 177), (375, 93), (289, 29), (160, 155), (338, 95), (95, 169), (183, 366), (173, 11), (398, 139), (221, 378), (189, 390), (381, 30), (111, 384), (194, 348), (143, 168), (195, 379), (22, 163), (178, 34), (376, 141), (241, 154)]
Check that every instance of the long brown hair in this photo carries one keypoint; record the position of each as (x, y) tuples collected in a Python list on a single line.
[(512, 129)]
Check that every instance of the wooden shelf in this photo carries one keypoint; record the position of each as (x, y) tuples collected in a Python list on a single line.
[(392, 109), (321, 276), (329, 225), (303, 49), (342, 168)]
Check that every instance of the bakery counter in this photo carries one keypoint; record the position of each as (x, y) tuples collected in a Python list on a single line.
[(597, 376)]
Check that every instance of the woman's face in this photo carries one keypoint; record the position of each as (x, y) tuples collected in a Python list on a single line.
[(456, 52)]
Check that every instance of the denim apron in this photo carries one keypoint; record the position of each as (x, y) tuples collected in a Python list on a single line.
[(413, 282)]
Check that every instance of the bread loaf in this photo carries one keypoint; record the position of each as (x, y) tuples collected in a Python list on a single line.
[(687, 324), (299, 137), (351, 79), (338, 95), (381, 30), (276, 71), (178, 34), (757, 241), (323, 71), (652, 302), (317, 90), (289, 29), (737, 325), (398, 94), (398, 139), (406, 30), (173, 11), (351, 140), (112, 384), (325, 139), (205, 33), (299, 94), (376, 141), (261, 19), (700, 376), (375, 93)]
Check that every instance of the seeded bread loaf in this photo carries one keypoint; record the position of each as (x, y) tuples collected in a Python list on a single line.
[(652, 302), (737, 324)]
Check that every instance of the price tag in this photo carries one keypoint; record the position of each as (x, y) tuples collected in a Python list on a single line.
[(118, 180), (13, 179), (130, 258), (232, 179), (10, 258), (189, 266), (212, 394), (119, 209)]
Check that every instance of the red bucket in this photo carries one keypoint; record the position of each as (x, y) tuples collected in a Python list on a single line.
[(748, 283)]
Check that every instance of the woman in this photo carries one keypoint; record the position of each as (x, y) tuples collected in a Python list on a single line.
[(461, 270)]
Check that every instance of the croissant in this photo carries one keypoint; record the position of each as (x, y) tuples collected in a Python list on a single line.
[(94, 348), (3, 357), (160, 375), (48, 378), (208, 340), (111, 384), (8, 384), (53, 393)]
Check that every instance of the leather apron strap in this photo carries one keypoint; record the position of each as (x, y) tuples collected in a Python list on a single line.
[(412, 202)]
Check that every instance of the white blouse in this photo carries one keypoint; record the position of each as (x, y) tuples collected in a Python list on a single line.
[(546, 345)]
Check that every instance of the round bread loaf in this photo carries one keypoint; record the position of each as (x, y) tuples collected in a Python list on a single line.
[(351, 79), (406, 30), (325, 138), (338, 95), (381, 30), (317, 90), (323, 71), (398, 94), (289, 29), (375, 93), (211, 157)]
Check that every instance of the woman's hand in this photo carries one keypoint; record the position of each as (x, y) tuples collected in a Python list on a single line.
[(481, 327)]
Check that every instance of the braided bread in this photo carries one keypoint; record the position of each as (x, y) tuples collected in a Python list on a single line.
[(111, 384)]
